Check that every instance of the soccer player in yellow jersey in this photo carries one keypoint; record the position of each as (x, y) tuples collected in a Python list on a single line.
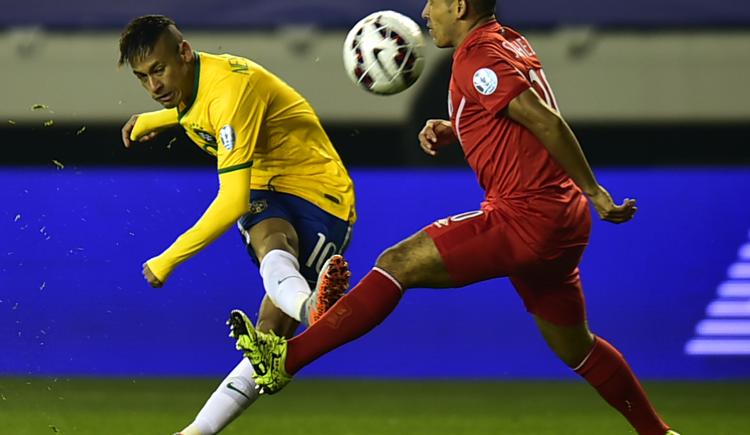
[(280, 180)]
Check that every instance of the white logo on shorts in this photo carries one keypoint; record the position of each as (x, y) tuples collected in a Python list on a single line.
[(485, 81), (458, 218)]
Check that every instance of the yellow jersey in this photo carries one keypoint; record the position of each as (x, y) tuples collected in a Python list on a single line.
[(250, 119)]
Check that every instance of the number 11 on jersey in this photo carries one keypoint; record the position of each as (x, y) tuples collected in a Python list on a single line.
[(542, 87)]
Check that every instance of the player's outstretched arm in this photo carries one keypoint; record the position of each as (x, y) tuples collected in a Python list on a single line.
[(436, 134), (232, 202), (529, 110), (146, 126)]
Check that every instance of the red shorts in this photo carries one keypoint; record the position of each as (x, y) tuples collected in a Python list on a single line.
[(484, 244)]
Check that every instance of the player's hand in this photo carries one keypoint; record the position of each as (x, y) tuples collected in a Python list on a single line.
[(436, 134), (128, 128), (153, 281), (608, 210)]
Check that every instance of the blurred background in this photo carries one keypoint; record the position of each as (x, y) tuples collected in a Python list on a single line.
[(657, 93)]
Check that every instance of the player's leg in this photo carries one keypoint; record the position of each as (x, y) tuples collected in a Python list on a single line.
[(265, 229), (559, 311), (445, 254), (233, 396), (323, 237), (275, 244), (414, 262), (237, 391), (270, 318), (291, 239), (604, 367)]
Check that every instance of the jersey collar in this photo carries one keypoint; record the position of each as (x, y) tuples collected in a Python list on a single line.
[(196, 82), (471, 37)]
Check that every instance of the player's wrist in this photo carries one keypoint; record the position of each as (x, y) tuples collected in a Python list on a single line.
[(159, 268), (591, 190)]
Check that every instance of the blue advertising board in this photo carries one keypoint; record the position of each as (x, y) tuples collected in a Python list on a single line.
[(670, 289)]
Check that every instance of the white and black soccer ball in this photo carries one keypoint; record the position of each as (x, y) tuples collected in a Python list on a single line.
[(384, 53)]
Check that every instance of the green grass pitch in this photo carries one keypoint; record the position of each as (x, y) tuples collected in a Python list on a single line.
[(318, 407)]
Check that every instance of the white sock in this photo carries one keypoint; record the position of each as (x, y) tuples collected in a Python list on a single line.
[(235, 394), (286, 287)]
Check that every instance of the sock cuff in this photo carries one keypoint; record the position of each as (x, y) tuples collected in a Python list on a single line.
[(389, 276), (580, 366), (601, 364), (277, 256)]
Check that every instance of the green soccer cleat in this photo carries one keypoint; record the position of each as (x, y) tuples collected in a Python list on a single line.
[(266, 353), (671, 432)]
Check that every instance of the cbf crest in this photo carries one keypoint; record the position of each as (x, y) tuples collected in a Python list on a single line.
[(258, 206)]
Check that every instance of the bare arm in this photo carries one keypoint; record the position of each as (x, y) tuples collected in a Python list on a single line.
[(529, 110)]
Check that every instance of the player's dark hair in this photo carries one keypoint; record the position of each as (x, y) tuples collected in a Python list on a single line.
[(141, 36), (481, 7)]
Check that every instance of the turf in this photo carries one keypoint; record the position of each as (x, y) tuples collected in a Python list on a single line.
[(318, 407)]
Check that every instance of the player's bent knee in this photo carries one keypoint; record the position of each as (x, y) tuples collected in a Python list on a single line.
[(391, 259), (570, 357), (415, 262), (394, 260), (570, 343)]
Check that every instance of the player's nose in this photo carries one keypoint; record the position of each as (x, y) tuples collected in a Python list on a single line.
[(425, 12), (154, 85)]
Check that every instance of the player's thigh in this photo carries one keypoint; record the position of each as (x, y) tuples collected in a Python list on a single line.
[(321, 235), (273, 233), (268, 225), (313, 235), (551, 289), (478, 245)]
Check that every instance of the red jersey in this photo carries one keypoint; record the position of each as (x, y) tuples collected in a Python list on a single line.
[(492, 66)]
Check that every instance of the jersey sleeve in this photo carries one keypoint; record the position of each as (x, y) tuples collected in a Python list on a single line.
[(152, 121), (485, 74), (230, 203), (237, 120)]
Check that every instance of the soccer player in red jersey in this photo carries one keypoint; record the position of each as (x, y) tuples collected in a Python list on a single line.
[(532, 227)]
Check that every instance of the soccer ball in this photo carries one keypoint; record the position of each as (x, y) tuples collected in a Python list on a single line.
[(384, 53)]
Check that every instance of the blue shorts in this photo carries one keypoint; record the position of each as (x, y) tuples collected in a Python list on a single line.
[(320, 233)]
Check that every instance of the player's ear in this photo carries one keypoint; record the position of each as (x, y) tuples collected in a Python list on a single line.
[(461, 8), (186, 51)]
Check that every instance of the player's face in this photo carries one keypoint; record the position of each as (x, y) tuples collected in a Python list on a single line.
[(166, 72), (441, 17)]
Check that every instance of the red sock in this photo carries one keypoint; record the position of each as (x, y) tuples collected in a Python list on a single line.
[(607, 371), (355, 314)]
